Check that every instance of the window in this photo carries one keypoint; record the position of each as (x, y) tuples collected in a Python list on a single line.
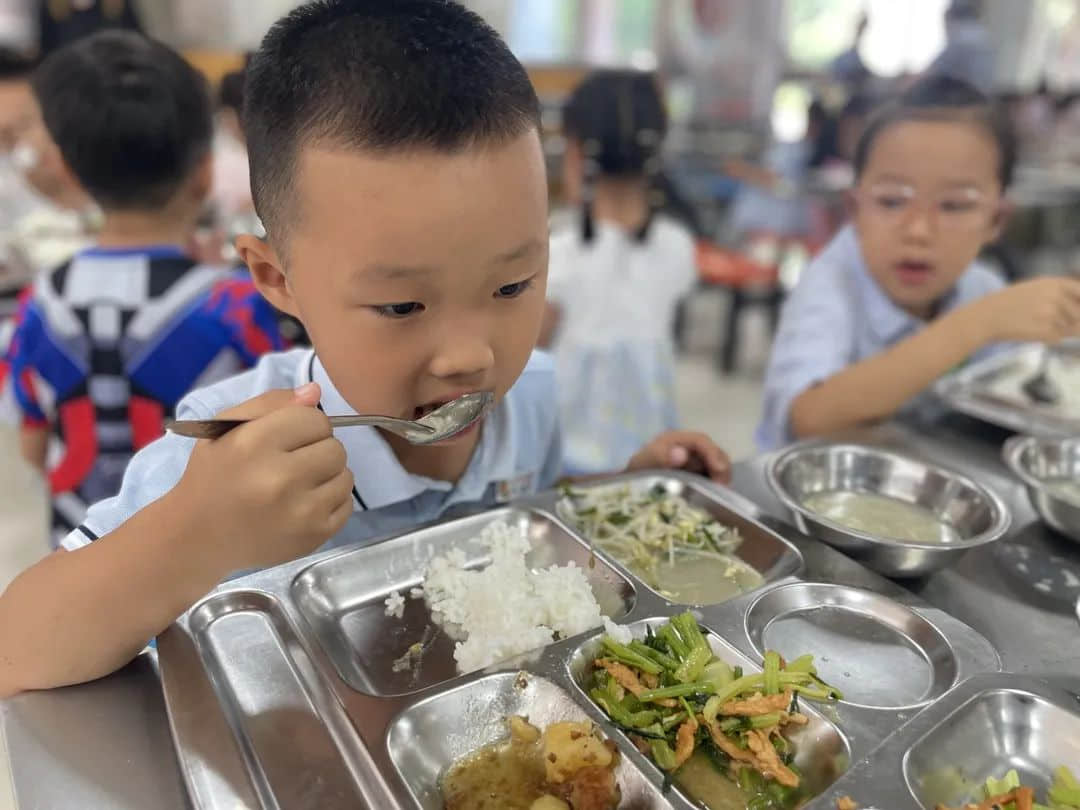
[(544, 31), (901, 37)]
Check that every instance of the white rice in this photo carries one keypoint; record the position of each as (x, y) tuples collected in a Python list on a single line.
[(395, 605), (617, 631), (506, 609)]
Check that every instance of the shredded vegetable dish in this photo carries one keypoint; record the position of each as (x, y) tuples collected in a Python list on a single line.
[(675, 698), (1009, 794), (663, 539)]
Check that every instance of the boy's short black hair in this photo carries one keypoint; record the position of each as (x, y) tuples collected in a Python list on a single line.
[(380, 75), (943, 98), (14, 65), (131, 118), (231, 91)]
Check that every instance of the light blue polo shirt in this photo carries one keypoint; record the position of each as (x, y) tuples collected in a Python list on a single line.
[(837, 315), (518, 453)]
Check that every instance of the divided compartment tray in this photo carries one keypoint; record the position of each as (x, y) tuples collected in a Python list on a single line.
[(272, 707), (970, 390), (762, 549), (449, 726), (879, 653), (823, 751), (987, 725), (343, 597)]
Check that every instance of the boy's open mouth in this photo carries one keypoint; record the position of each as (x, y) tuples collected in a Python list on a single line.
[(421, 411), (912, 271)]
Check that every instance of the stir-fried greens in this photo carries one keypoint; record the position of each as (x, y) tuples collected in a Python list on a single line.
[(646, 529), (673, 696), (1009, 794)]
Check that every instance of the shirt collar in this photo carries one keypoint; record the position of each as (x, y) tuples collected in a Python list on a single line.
[(379, 478), (159, 251)]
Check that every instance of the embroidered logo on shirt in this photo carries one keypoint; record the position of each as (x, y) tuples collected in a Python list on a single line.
[(513, 488)]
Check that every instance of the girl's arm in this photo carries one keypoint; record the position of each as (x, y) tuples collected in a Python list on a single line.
[(877, 387)]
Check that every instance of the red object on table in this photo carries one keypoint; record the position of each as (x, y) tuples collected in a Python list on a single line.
[(717, 265)]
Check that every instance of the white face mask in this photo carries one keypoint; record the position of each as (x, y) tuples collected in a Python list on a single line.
[(25, 157)]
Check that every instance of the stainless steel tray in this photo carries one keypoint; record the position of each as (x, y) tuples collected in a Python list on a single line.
[(982, 390), (985, 726), (277, 701), (878, 652)]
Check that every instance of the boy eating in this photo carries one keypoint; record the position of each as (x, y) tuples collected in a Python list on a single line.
[(396, 164)]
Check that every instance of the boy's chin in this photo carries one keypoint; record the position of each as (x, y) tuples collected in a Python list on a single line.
[(921, 301)]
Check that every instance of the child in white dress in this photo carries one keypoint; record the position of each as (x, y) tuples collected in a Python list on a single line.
[(616, 275)]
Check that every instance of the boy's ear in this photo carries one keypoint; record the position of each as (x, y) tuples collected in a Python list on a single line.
[(267, 271), (202, 179)]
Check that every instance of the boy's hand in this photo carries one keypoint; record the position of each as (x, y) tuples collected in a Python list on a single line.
[(1045, 310), (272, 490), (685, 450)]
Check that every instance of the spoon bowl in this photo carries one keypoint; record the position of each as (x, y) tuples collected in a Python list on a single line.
[(443, 423), (1040, 388)]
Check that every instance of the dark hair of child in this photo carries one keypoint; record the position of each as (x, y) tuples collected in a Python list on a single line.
[(619, 119), (231, 92), (14, 66), (131, 118), (942, 98), (381, 75)]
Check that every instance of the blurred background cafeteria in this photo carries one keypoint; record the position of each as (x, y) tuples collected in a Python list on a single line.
[(765, 100)]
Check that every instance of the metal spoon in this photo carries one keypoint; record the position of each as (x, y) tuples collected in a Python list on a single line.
[(442, 423), (1040, 388)]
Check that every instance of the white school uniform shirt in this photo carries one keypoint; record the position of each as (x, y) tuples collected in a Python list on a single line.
[(518, 453), (836, 316), (614, 351)]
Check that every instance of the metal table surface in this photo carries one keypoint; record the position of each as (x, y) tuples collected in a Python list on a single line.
[(107, 744)]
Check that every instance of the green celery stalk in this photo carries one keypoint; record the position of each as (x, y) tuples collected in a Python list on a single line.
[(693, 665), (672, 720), (654, 732), (670, 636), (772, 673), (997, 787), (1060, 794), (643, 718), (662, 754), (765, 720), (729, 724), (679, 690), (666, 661), (804, 663), (611, 708), (718, 673), (1064, 777), (625, 655)]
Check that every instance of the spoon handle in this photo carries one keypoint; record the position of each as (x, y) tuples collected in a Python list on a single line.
[(216, 428)]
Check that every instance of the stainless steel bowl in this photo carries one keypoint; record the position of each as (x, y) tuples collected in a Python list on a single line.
[(972, 511), (1038, 462)]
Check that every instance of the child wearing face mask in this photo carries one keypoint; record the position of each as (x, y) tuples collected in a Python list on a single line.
[(897, 299), (616, 276)]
